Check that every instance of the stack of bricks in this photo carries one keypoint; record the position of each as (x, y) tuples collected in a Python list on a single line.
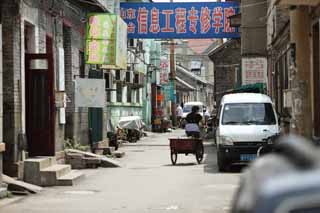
[(79, 161), (103, 148)]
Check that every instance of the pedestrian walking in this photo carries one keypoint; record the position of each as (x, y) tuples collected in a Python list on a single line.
[(179, 112)]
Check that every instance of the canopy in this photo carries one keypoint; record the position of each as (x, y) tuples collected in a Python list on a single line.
[(256, 88)]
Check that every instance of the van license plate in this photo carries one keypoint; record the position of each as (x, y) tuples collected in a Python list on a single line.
[(248, 157)]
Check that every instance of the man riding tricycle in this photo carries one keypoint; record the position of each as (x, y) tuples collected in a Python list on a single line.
[(192, 144)]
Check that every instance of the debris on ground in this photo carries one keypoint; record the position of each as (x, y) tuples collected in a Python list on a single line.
[(81, 160), (20, 187)]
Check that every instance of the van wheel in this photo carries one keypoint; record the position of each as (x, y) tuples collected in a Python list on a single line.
[(222, 163)]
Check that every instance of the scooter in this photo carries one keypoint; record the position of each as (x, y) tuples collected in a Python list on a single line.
[(268, 146)]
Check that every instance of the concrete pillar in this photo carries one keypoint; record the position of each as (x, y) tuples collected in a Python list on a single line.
[(300, 26)]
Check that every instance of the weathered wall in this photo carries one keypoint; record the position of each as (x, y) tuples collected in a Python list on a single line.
[(253, 27), (1, 97), (225, 62), (11, 76), (73, 43)]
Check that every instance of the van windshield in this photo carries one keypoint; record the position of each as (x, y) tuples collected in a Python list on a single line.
[(248, 114), (188, 108)]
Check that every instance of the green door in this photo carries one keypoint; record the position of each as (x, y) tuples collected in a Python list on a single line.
[(96, 114)]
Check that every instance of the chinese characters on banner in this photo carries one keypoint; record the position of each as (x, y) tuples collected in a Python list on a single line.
[(254, 70), (164, 70), (180, 20)]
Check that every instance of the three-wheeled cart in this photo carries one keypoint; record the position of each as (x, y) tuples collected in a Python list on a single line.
[(187, 145)]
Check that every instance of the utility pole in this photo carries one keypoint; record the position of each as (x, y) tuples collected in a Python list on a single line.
[(173, 82)]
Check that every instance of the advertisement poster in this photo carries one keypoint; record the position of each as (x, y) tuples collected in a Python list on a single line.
[(254, 70)]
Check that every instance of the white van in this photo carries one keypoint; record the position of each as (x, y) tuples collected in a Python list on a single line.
[(245, 120), (187, 108)]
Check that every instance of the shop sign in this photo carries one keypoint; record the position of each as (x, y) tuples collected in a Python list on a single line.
[(106, 41), (180, 20)]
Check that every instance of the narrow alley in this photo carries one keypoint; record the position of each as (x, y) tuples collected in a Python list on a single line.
[(147, 182)]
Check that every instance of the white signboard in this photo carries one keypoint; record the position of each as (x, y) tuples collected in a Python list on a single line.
[(121, 53), (90, 93), (61, 86), (254, 70)]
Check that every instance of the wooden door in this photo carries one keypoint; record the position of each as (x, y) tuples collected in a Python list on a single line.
[(40, 104)]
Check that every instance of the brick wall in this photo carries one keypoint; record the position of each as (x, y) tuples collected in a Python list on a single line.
[(253, 27), (73, 36), (11, 76), (224, 71)]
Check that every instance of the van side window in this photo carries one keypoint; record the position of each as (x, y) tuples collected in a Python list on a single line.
[(219, 112)]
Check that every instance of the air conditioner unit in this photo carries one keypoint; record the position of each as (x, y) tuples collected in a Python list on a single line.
[(119, 76), (129, 77)]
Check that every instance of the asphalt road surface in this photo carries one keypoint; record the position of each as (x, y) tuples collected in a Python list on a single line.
[(146, 183)]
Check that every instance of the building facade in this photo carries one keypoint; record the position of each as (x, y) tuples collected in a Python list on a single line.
[(43, 51), (130, 93), (227, 67), (293, 44)]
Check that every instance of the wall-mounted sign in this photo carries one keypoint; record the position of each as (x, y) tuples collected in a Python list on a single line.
[(106, 41), (164, 70), (180, 20), (254, 70), (90, 93)]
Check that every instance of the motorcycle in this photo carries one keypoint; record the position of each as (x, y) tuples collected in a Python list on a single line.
[(284, 181), (268, 146)]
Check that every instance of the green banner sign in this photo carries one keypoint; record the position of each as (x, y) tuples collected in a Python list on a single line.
[(106, 41)]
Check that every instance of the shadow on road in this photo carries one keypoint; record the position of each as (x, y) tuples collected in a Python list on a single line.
[(210, 162), (182, 164)]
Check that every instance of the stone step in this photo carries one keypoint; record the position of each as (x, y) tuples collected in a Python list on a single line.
[(33, 166), (50, 175), (70, 179)]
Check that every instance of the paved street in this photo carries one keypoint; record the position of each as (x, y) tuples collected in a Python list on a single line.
[(147, 182)]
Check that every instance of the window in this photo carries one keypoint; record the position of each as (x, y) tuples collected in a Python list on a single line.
[(82, 73), (129, 94), (107, 77), (248, 114), (29, 38), (138, 96), (119, 92)]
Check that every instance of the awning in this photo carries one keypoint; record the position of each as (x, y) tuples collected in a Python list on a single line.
[(258, 88), (185, 84), (185, 71), (250, 88)]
